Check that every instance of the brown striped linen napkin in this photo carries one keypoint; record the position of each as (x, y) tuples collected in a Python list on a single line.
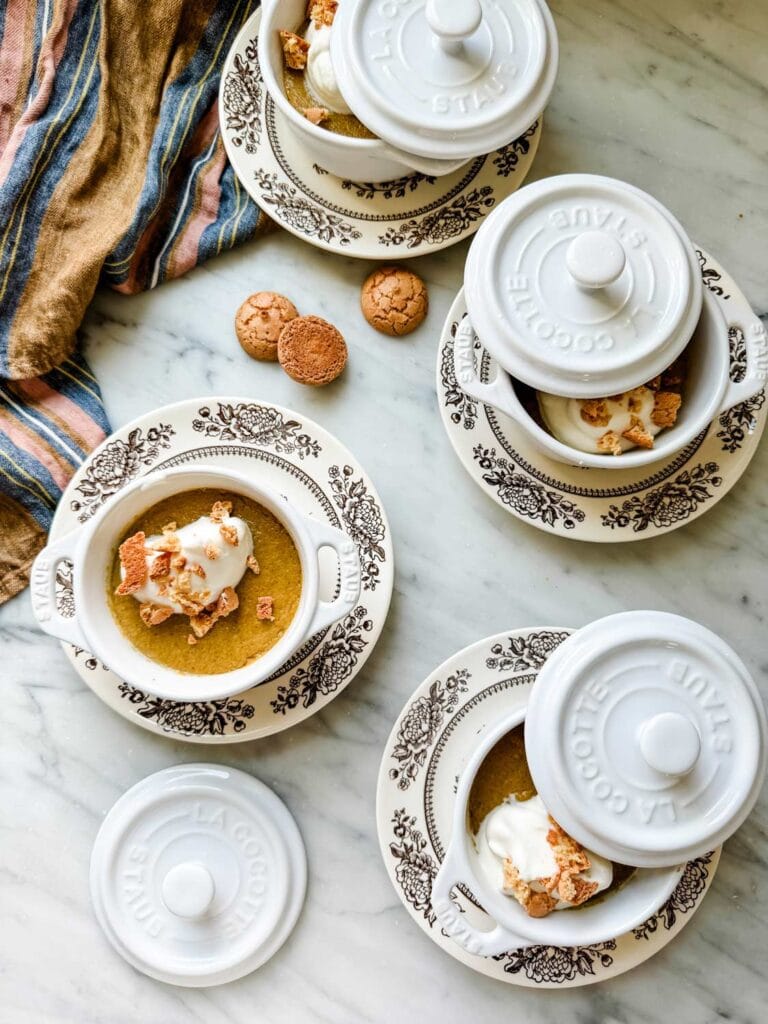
[(112, 170)]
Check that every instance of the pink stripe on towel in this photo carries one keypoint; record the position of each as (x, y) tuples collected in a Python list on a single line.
[(65, 410)]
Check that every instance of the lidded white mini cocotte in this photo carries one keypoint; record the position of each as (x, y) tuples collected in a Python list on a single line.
[(445, 79), (583, 286), (198, 875), (646, 738)]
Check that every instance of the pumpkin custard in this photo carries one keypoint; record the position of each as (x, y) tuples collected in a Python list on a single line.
[(205, 582), (522, 851), (309, 81)]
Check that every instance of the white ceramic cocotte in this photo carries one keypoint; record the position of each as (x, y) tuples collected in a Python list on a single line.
[(584, 287), (645, 736), (92, 550), (438, 81)]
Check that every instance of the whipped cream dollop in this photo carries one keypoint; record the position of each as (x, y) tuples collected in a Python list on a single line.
[(319, 76), (516, 831), (571, 420), (210, 563)]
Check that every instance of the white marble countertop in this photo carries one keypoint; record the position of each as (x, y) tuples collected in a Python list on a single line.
[(669, 94)]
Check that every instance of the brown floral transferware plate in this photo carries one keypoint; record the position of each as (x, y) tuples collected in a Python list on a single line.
[(297, 458), (433, 737), (388, 220), (592, 504)]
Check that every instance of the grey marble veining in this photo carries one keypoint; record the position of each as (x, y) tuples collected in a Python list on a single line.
[(669, 94)]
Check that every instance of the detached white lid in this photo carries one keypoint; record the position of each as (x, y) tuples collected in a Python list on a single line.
[(583, 286), (445, 78), (198, 875), (646, 738)]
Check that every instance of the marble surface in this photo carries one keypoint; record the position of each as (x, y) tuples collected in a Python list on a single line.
[(669, 94)]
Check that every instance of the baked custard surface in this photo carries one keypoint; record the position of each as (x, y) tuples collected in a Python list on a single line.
[(241, 637)]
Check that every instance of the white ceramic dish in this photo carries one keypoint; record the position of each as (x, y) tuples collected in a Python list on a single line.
[(346, 157), (321, 478), (410, 215), (91, 552), (638, 899), (585, 313), (601, 505), (432, 742), (444, 52)]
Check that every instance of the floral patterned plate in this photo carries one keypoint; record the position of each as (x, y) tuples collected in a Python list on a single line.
[(432, 740), (299, 459), (592, 504), (371, 220)]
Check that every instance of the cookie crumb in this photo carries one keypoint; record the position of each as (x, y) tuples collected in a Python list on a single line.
[(265, 609), (154, 615), (595, 412), (316, 115), (637, 434), (191, 639), (253, 564), (161, 566), (665, 408), (133, 559), (211, 552), (220, 510), (206, 619), (322, 12), (229, 533), (295, 50), (610, 442)]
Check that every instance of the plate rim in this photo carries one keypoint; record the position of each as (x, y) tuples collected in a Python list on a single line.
[(453, 663), (281, 722)]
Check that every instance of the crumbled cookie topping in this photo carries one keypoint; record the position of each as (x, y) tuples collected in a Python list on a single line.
[(610, 442), (161, 566), (295, 50), (133, 559), (317, 115), (595, 412), (220, 510), (265, 609), (153, 615), (637, 434), (322, 12), (207, 618), (253, 564), (571, 861), (665, 408), (229, 533)]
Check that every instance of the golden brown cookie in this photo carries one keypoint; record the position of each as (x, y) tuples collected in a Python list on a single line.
[(394, 300), (260, 320), (312, 351)]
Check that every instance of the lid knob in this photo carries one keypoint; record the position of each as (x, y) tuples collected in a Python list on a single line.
[(670, 743), (453, 21), (188, 890), (595, 259)]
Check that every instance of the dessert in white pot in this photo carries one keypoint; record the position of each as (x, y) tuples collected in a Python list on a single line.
[(309, 78), (521, 850)]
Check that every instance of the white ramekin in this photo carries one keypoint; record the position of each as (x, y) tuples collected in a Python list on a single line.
[(344, 156), (91, 550), (708, 389), (638, 899)]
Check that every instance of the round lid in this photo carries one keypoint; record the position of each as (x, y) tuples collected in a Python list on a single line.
[(445, 78), (583, 286), (198, 875), (646, 737)]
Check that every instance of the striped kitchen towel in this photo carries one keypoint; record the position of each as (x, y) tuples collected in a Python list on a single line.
[(112, 169)]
